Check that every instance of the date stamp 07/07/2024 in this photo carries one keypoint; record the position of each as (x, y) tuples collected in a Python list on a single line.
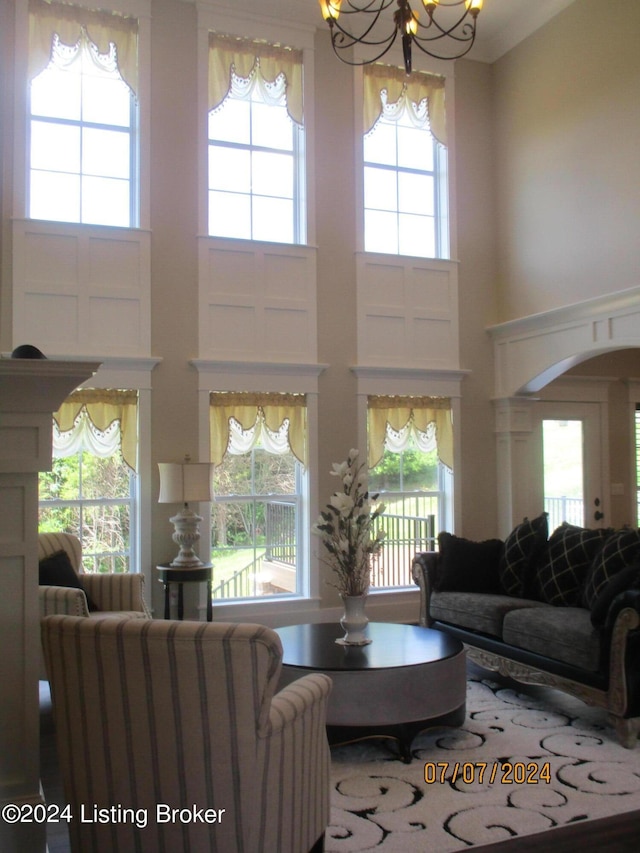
[(487, 772)]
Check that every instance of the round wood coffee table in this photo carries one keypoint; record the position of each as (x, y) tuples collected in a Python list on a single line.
[(407, 679)]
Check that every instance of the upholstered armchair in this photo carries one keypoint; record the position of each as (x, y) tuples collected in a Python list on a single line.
[(120, 594), (154, 716)]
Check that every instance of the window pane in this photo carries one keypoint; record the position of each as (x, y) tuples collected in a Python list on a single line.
[(380, 189), (415, 148), (381, 232), (56, 94), (230, 215), (231, 122), (273, 220), (380, 144), (229, 169), (105, 153), (105, 201), (55, 147), (271, 127), (272, 174), (106, 100), (417, 236), (55, 196), (415, 194)]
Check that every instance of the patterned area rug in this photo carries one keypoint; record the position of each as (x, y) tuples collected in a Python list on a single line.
[(526, 760)]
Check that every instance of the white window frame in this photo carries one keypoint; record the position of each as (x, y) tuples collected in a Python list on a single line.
[(142, 10), (448, 199), (132, 131), (302, 37)]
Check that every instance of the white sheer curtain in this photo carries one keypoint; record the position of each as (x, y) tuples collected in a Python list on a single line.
[(241, 440), (85, 436)]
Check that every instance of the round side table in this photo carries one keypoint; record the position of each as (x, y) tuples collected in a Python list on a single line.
[(168, 574)]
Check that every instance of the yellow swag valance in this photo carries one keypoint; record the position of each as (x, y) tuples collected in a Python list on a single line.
[(398, 412), (103, 407), (416, 88), (47, 19), (247, 408), (228, 51)]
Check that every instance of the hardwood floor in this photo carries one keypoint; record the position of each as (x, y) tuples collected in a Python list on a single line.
[(618, 834)]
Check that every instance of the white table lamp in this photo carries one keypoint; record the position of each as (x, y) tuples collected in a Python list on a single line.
[(184, 482)]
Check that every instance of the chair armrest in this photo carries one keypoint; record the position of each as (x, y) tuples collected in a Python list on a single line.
[(65, 600), (116, 592), (293, 746), (424, 570)]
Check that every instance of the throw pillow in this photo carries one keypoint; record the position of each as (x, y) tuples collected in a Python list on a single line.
[(522, 548), (56, 570), (619, 551), (627, 578), (563, 569), (467, 566)]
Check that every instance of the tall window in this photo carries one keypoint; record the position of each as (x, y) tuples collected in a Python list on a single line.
[(258, 442), (405, 164), (256, 142), (82, 116), (92, 488), (411, 467)]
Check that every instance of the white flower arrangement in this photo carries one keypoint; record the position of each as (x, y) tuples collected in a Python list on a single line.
[(346, 528)]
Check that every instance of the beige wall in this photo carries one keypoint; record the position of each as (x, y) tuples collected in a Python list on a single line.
[(567, 168)]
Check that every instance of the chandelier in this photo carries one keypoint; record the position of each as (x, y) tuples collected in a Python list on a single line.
[(447, 32)]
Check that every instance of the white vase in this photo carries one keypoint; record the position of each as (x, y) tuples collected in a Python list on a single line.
[(354, 621)]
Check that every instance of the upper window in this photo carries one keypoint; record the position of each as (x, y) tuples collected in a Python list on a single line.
[(258, 442), (410, 467), (256, 142), (82, 118), (405, 164), (91, 490)]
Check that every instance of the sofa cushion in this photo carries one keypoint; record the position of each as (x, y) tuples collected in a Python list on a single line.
[(562, 571), (477, 611), (562, 633), (467, 566), (627, 578), (522, 548), (620, 550), (56, 570)]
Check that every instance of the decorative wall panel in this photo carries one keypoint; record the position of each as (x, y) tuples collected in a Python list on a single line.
[(407, 312), (257, 301), (81, 289)]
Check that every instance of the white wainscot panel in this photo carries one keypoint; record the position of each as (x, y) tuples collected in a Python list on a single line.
[(257, 301), (81, 289), (231, 329), (407, 312)]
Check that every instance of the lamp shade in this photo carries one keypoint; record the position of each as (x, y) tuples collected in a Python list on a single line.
[(182, 482)]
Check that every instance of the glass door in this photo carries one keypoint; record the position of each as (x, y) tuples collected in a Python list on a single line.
[(572, 464)]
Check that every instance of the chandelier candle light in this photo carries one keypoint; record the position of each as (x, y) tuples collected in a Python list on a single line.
[(185, 482), (346, 529), (448, 30)]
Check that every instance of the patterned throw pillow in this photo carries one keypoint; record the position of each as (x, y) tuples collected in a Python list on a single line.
[(619, 550), (627, 578), (522, 547), (563, 570)]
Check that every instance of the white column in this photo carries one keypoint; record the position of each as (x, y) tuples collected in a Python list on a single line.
[(520, 482)]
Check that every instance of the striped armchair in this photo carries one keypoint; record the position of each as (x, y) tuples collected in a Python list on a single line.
[(184, 716), (120, 595)]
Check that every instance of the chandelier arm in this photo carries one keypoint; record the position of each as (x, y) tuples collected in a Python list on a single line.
[(387, 45), (362, 38), (443, 31), (419, 43), (468, 35)]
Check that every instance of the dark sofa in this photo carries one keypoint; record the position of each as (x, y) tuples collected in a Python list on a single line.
[(560, 610)]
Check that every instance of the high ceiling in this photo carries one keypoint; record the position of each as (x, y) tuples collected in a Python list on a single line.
[(501, 25)]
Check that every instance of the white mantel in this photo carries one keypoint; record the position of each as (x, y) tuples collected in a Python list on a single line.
[(30, 391)]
